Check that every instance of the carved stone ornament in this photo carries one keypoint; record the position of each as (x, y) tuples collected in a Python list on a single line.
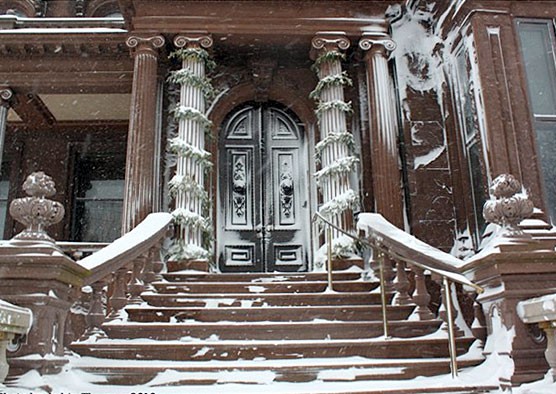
[(193, 39), (153, 42), (508, 205), (327, 40), (37, 212), (367, 42)]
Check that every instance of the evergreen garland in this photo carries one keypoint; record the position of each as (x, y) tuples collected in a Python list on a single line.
[(183, 216), (329, 81), (183, 112), (183, 148), (196, 54), (343, 165), (339, 204), (180, 183), (340, 137), (185, 76), (336, 104), (329, 56)]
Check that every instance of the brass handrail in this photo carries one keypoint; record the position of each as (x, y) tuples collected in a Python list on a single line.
[(447, 273)]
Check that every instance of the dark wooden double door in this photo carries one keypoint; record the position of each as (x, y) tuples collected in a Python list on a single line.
[(263, 208)]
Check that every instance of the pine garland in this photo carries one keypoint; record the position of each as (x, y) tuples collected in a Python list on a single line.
[(185, 76), (346, 200), (329, 81), (183, 148), (184, 216), (181, 183), (336, 104), (190, 113), (343, 165), (342, 137), (180, 251), (196, 54), (326, 57)]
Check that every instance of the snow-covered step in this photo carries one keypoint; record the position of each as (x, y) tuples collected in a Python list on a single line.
[(262, 330), (249, 313), (263, 299), (198, 350), (259, 288), (262, 371), (260, 278)]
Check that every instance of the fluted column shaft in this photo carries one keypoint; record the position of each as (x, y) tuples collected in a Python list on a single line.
[(140, 177), (334, 137), (383, 126), (5, 97)]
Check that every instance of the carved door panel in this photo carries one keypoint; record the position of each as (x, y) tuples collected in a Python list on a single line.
[(263, 218)]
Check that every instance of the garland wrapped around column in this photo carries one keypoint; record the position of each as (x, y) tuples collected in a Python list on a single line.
[(334, 152), (187, 187)]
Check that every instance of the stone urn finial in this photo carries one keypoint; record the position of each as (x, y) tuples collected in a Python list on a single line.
[(508, 205), (37, 212)]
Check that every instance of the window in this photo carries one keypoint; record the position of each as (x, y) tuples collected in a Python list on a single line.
[(98, 200), (465, 99), (537, 47)]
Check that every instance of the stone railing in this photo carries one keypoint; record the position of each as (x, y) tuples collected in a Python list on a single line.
[(37, 274), (13, 321), (542, 311)]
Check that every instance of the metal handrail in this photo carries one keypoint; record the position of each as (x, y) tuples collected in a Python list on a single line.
[(447, 274)]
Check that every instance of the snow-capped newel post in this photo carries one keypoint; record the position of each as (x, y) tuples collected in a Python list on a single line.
[(192, 205), (37, 275), (334, 151), (513, 266)]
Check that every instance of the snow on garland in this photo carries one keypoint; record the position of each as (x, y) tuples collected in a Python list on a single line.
[(336, 104), (327, 57), (343, 137), (184, 216), (194, 54), (186, 76), (185, 149), (329, 81), (184, 183), (190, 113), (343, 165), (339, 204)]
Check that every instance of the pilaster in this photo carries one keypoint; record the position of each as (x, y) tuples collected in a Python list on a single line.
[(383, 126), (140, 184)]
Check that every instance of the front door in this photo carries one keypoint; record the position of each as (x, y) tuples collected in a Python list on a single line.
[(263, 212)]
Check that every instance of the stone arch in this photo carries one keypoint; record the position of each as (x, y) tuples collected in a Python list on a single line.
[(102, 8)]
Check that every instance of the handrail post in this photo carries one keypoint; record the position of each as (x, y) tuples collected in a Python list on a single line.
[(383, 294), (329, 256), (451, 330)]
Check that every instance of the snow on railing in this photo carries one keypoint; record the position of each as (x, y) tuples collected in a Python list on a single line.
[(126, 248)]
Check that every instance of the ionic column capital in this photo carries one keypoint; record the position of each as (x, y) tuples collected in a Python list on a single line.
[(6, 96), (145, 43), (193, 40), (374, 43), (330, 41)]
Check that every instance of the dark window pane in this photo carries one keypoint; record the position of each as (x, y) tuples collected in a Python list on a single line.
[(546, 141)]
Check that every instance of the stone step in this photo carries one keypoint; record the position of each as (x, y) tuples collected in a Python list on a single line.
[(260, 278), (275, 313), (349, 369), (262, 299), (269, 330), (202, 350), (260, 288)]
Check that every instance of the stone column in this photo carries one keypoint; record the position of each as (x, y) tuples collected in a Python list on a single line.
[(6, 95), (383, 124), (140, 177), (188, 184), (336, 143)]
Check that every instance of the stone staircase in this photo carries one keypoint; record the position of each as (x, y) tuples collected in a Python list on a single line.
[(266, 328)]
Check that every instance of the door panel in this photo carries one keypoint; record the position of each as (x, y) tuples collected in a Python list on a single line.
[(263, 210)]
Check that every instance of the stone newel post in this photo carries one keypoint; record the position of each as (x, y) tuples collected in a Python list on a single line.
[(141, 186)]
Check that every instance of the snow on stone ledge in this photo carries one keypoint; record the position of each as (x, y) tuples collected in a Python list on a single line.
[(536, 310)]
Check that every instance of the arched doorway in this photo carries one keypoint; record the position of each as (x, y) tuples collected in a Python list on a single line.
[(263, 220)]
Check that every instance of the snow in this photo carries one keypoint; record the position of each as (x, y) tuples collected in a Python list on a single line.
[(154, 223), (77, 30)]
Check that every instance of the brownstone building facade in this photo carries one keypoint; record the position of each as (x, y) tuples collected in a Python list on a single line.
[(245, 118)]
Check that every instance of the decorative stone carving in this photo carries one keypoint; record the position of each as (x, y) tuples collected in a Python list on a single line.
[(37, 212), (153, 42), (367, 42), (6, 94), (239, 188), (40, 7), (80, 6), (508, 205)]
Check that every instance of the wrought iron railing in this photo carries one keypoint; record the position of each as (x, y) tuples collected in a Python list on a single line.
[(388, 241)]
